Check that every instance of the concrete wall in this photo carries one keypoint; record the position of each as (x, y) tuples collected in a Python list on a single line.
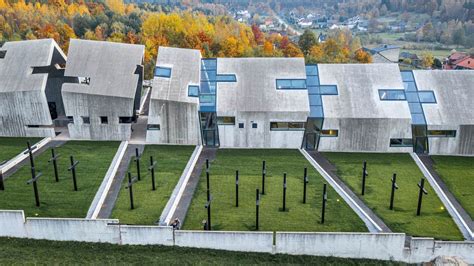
[(389, 246), (231, 136), (95, 106), (365, 134), (462, 144), (235, 241), (179, 123)]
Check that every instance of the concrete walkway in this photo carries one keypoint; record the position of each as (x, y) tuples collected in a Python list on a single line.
[(112, 195), (459, 214), (185, 201), (328, 171), (36, 153)]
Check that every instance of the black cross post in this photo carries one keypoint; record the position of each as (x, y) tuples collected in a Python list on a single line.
[(305, 182), (257, 204), (54, 159), (237, 188), (131, 181), (208, 203), (34, 176), (137, 159), (2, 186), (152, 170), (264, 172), (284, 191), (394, 186), (364, 175), (72, 168), (421, 185), (325, 198)]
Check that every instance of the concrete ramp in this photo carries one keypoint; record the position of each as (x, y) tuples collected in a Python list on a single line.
[(183, 202), (327, 171), (460, 216), (104, 210)]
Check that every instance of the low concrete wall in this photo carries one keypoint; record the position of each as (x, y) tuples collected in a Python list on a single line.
[(12, 224), (427, 249), (347, 245), (146, 235), (21, 156), (234, 241)]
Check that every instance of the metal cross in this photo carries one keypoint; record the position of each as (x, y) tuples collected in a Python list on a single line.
[(131, 181), (325, 199), (33, 180), (209, 198), (421, 185), (54, 159), (305, 182), (364, 175), (137, 159), (257, 205), (72, 169), (237, 188), (284, 191), (394, 186), (264, 172), (153, 164)]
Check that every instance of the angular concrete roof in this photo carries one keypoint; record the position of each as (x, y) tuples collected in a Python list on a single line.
[(454, 92), (16, 69), (185, 65), (110, 66), (255, 89), (358, 86)]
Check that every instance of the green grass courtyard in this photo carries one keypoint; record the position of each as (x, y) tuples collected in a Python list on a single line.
[(298, 217), (11, 147), (458, 174), (58, 199), (434, 221), (171, 161)]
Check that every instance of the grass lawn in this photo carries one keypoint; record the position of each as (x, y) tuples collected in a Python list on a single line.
[(60, 199), (458, 174), (42, 252), (149, 204), (298, 217), (11, 147), (434, 221)]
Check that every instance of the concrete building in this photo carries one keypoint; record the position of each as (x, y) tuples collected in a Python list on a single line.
[(173, 115), (103, 105), (356, 115), (31, 76), (448, 110)]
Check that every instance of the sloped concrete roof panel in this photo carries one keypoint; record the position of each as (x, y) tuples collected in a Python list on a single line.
[(110, 66)]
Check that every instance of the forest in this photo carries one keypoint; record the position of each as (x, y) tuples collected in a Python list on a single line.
[(153, 26)]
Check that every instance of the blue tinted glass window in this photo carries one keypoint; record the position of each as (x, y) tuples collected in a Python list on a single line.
[(164, 72), (407, 76), (311, 70), (193, 91), (291, 84), (316, 111), (209, 64), (328, 89), (315, 99), (313, 89), (409, 86), (415, 108), (208, 75), (427, 97), (392, 95), (312, 81), (207, 99), (226, 78), (418, 119), (412, 97)]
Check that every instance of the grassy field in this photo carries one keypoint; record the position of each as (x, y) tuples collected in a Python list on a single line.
[(10, 147), (298, 217), (60, 199), (149, 204), (42, 252), (458, 174), (434, 221)]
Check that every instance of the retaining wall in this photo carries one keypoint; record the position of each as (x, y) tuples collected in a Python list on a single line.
[(384, 246)]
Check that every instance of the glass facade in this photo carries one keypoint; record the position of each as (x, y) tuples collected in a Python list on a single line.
[(392, 95), (291, 84)]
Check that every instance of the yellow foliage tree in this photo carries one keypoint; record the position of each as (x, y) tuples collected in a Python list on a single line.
[(116, 5)]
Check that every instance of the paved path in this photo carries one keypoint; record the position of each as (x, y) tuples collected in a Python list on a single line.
[(331, 170), (429, 164), (185, 201), (52, 144), (112, 195)]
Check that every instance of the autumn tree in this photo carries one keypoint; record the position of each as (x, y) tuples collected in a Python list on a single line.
[(307, 40), (427, 59)]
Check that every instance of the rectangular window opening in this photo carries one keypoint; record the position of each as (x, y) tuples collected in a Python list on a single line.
[(328, 89), (241, 125), (287, 126), (392, 95), (401, 142), (291, 84), (426, 97), (226, 78), (226, 120), (254, 125), (153, 127), (70, 119), (125, 119), (329, 133), (164, 72), (442, 133), (193, 91), (104, 120), (86, 120), (3, 53)]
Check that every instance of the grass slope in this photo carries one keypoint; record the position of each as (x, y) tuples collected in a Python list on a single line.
[(60, 199), (11, 147), (434, 221), (458, 174), (42, 252), (300, 217), (149, 204)]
